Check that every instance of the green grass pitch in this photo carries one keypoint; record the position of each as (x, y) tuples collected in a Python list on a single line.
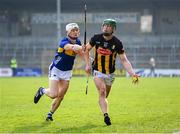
[(152, 106)]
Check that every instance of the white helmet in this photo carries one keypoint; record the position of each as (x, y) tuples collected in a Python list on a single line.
[(71, 26)]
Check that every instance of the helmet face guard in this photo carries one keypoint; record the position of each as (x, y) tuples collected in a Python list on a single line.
[(111, 22)]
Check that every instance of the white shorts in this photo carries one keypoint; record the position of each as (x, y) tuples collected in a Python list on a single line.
[(108, 78), (56, 74)]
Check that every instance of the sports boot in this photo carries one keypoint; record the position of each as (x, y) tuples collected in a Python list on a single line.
[(38, 95), (107, 119)]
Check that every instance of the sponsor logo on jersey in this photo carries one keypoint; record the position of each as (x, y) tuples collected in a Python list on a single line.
[(103, 51)]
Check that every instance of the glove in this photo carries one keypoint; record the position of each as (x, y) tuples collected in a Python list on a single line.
[(135, 79)]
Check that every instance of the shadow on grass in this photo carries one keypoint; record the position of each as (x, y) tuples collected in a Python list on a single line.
[(43, 127), (85, 128), (26, 128)]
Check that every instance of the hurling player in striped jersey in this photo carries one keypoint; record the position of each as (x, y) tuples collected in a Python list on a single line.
[(60, 70), (107, 47)]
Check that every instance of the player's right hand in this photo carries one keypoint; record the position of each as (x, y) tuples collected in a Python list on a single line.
[(88, 69), (83, 48), (77, 48)]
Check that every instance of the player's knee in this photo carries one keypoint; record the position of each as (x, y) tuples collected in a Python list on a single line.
[(103, 93), (54, 95)]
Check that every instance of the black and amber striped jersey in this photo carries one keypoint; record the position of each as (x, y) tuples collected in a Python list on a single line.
[(105, 53)]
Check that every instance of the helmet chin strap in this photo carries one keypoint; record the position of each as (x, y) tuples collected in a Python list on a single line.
[(73, 38)]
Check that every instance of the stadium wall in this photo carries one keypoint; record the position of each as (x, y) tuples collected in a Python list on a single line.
[(30, 33)]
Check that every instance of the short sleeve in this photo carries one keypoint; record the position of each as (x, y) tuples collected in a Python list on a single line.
[(92, 41), (63, 43), (120, 48)]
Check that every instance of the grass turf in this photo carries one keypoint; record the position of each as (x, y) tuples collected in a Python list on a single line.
[(153, 106)]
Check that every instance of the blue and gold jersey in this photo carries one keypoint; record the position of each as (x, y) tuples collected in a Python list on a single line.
[(64, 59)]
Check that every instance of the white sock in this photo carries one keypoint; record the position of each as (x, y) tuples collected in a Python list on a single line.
[(42, 91)]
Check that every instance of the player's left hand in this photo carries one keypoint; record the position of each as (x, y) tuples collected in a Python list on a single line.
[(135, 79)]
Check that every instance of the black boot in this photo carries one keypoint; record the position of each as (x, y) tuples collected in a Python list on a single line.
[(38, 95), (107, 120), (49, 116)]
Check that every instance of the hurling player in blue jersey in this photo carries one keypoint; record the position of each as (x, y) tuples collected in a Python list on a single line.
[(60, 70)]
